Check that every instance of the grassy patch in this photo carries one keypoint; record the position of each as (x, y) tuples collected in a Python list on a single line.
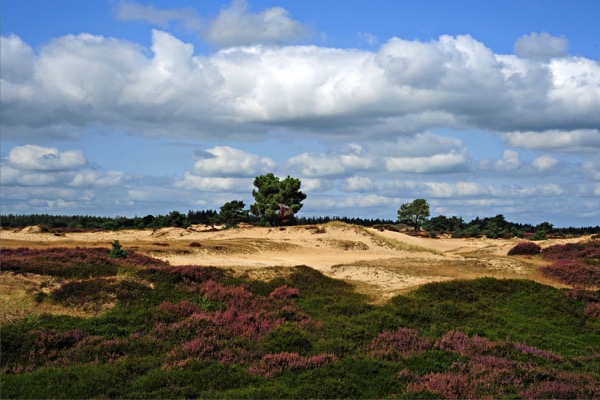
[(176, 332)]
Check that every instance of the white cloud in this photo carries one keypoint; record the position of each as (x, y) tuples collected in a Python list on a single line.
[(509, 161), (30, 167), (37, 158), (458, 189), (582, 140), (237, 26), (225, 161), (311, 185), (350, 158), (359, 184), (544, 162), (16, 59), (448, 162), (84, 80), (214, 184), (541, 46)]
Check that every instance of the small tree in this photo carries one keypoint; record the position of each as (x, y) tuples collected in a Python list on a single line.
[(276, 201), (233, 213), (117, 251), (414, 213)]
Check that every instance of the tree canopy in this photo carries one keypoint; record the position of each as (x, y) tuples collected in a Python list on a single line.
[(276, 201), (233, 213), (414, 213)]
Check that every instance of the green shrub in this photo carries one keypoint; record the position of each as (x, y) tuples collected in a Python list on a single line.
[(117, 250), (287, 338)]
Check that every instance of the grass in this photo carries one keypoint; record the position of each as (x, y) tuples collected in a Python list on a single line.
[(175, 332)]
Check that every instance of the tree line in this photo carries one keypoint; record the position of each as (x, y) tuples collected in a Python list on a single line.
[(277, 203)]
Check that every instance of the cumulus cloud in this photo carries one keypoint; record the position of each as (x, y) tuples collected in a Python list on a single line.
[(351, 158), (213, 184), (225, 161), (541, 46), (457, 189), (582, 140), (32, 165), (404, 88), (359, 184), (544, 162), (224, 169), (448, 162), (32, 157), (510, 161), (45, 179), (237, 26)]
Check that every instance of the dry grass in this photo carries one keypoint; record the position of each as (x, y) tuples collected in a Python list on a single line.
[(18, 297), (381, 239)]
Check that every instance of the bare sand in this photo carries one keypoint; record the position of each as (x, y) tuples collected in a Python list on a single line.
[(380, 264)]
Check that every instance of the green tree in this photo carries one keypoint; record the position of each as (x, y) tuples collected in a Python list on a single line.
[(233, 213), (176, 219), (414, 212), (276, 201), (117, 250)]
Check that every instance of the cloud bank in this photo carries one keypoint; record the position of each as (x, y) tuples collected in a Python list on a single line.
[(406, 87)]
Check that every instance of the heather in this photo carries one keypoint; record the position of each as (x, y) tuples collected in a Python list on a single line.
[(72, 262), (161, 331), (525, 248), (576, 264)]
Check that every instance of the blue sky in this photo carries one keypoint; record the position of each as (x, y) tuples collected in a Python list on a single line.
[(134, 107)]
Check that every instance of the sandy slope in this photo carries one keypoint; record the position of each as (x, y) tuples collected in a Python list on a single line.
[(378, 263)]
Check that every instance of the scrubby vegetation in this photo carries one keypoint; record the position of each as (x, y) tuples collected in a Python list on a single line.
[(525, 249), (185, 331), (574, 263)]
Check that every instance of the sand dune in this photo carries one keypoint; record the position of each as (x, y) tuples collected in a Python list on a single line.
[(378, 263)]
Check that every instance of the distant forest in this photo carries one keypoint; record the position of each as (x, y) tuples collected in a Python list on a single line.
[(491, 227)]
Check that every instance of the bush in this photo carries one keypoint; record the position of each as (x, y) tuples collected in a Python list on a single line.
[(539, 235), (525, 248), (117, 251)]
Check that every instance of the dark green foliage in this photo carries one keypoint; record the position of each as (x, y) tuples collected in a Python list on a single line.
[(188, 332), (288, 338), (232, 213), (117, 250), (276, 201), (414, 213)]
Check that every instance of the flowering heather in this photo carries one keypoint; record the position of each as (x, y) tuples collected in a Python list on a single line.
[(560, 390), (571, 251), (593, 310), (284, 292), (459, 342), (525, 349), (494, 375), (447, 385), (525, 248), (211, 347), (170, 312), (573, 273), (274, 364), (191, 273), (391, 345), (70, 262)]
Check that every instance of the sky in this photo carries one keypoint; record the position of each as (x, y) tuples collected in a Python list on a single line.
[(124, 108)]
